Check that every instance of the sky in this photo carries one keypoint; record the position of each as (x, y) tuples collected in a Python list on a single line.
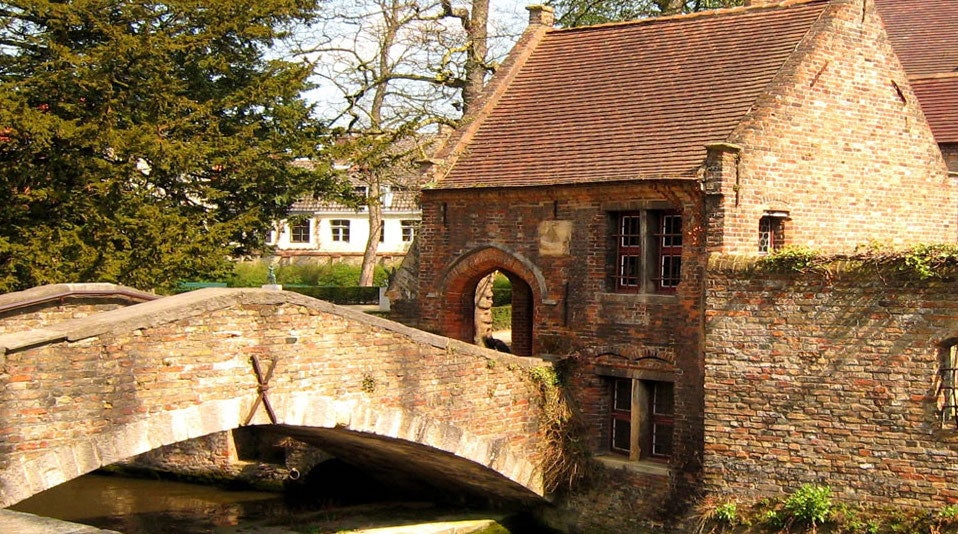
[(507, 19)]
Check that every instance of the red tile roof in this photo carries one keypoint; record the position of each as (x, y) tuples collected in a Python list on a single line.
[(923, 32), (939, 100), (629, 101), (398, 201)]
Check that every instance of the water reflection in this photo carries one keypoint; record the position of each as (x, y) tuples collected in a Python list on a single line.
[(150, 506), (142, 506)]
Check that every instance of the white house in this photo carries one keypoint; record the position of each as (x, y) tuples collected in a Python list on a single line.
[(325, 231)]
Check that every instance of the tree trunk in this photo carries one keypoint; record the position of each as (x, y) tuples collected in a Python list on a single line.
[(477, 34), (375, 208)]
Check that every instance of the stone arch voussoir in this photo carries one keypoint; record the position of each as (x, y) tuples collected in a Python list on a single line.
[(26, 474), (477, 262), (358, 415)]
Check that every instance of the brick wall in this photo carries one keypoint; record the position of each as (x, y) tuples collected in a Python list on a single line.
[(828, 380), (133, 379), (950, 152), (575, 308), (47, 313), (839, 142)]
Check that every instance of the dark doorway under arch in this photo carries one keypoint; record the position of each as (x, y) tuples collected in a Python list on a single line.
[(522, 310)]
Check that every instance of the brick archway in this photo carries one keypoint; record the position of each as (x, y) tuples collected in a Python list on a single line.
[(87, 392), (459, 286), (446, 454)]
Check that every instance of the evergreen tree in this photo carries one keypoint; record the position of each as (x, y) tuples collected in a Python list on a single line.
[(147, 142)]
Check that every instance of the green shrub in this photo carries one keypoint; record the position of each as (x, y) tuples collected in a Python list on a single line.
[(249, 274), (810, 504), (256, 273), (502, 318), (726, 513), (501, 290), (340, 295), (789, 259)]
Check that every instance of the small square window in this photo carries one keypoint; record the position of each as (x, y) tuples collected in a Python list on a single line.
[(771, 234), (299, 231), (340, 230), (409, 229), (948, 385)]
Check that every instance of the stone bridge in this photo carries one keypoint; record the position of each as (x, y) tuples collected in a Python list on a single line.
[(88, 392)]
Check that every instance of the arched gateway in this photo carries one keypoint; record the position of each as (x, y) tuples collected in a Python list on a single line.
[(459, 289), (85, 393)]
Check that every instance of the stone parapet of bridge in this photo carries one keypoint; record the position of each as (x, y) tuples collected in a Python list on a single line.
[(85, 393)]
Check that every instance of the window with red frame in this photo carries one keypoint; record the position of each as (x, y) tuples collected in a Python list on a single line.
[(661, 419), (648, 251), (669, 241), (646, 406)]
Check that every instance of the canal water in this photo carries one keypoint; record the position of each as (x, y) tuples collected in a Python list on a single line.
[(143, 506)]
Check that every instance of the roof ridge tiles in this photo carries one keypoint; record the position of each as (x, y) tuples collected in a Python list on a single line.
[(707, 13)]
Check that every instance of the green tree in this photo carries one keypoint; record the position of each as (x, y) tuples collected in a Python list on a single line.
[(147, 142), (571, 13)]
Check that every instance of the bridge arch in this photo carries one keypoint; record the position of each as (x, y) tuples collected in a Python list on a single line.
[(85, 393), (440, 452), (461, 278)]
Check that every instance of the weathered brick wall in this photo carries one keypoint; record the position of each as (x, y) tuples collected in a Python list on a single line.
[(576, 311), (828, 380), (615, 502), (578, 308), (839, 142), (48, 313), (46, 305), (950, 152), (259, 456), (128, 372)]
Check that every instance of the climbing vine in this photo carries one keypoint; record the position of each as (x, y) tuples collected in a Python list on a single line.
[(920, 262), (564, 454)]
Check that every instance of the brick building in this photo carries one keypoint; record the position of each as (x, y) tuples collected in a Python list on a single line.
[(608, 163), (923, 35)]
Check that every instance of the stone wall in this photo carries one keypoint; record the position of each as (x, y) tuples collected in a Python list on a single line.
[(828, 380), (40, 315)]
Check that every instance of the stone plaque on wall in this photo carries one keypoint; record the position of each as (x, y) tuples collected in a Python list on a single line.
[(555, 238)]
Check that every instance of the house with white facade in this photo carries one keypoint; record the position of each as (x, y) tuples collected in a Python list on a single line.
[(325, 231)]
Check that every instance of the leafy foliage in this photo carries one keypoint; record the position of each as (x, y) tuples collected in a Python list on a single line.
[(144, 143), (810, 504), (254, 274), (790, 259), (921, 261), (502, 317), (726, 513)]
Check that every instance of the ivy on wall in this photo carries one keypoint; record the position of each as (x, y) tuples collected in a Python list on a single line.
[(919, 262)]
